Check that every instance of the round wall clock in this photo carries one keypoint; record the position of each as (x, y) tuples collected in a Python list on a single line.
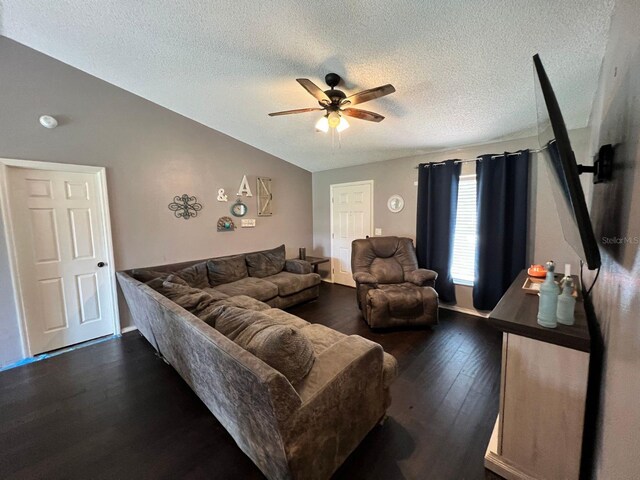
[(239, 209), (395, 203)]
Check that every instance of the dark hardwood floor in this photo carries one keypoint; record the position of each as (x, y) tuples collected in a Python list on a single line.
[(116, 410)]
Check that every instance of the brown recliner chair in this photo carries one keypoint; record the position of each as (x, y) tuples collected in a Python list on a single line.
[(391, 290)]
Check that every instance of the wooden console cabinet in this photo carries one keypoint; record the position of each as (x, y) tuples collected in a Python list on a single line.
[(543, 389)]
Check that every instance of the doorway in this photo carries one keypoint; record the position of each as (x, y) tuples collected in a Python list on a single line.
[(58, 234), (351, 218)]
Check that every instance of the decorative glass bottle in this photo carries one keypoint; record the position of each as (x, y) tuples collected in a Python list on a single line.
[(548, 304), (566, 303)]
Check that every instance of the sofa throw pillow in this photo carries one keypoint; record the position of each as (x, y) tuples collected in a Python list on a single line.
[(280, 346), (196, 275), (241, 301), (192, 299), (226, 270), (266, 263), (145, 275), (156, 283)]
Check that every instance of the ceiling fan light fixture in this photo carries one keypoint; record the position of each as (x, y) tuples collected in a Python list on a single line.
[(323, 124), (343, 125), (334, 119)]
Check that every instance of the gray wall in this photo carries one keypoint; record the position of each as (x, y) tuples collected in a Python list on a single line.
[(616, 215), (151, 154), (398, 176)]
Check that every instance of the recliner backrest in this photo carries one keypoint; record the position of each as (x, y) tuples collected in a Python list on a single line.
[(386, 258)]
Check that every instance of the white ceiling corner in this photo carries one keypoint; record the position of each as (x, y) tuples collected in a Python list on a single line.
[(462, 69)]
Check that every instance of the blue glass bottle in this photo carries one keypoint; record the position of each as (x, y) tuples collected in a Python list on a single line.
[(548, 304)]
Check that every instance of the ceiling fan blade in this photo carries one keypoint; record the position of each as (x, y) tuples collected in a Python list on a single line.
[(299, 110), (363, 114), (314, 90), (371, 94)]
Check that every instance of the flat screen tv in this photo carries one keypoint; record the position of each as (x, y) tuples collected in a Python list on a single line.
[(563, 172)]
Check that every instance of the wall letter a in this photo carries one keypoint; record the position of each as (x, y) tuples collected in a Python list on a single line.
[(244, 188)]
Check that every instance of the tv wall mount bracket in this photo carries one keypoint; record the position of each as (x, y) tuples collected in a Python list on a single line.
[(602, 167)]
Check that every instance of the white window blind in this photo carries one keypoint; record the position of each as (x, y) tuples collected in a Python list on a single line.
[(464, 240)]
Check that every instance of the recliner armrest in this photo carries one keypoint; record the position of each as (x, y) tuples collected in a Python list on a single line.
[(297, 266), (421, 277), (364, 277)]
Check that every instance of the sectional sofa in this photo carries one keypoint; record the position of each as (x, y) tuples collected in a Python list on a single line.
[(296, 397)]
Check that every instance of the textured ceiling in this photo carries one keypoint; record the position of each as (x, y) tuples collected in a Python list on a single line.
[(462, 68)]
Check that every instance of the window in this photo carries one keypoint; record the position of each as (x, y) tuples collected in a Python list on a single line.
[(464, 239)]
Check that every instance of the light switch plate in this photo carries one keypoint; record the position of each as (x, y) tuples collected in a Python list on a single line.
[(377, 231)]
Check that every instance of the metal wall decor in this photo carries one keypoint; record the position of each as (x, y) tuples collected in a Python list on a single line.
[(265, 197), (185, 206), (225, 224), (239, 209)]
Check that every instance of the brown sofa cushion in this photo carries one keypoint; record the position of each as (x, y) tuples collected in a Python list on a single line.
[(241, 301), (195, 275), (157, 282), (290, 283), (214, 293), (145, 275), (295, 265), (321, 337), (266, 263), (192, 299), (226, 270), (253, 287), (285, 318), (280, 346)]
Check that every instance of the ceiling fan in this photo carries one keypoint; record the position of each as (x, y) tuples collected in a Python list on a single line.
[(336, 104)]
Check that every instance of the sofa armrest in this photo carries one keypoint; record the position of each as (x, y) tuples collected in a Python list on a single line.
[(422, 277), (298, 266), (341, 358), (364, 277), (347, 399)]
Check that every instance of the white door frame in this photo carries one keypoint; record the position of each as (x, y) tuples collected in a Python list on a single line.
[(103, 199), (347, 184)]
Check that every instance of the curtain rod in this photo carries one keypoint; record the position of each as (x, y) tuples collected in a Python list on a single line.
[(478, 159)]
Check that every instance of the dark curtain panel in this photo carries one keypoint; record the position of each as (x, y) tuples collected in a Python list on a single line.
[(437, 205), (501, 251)]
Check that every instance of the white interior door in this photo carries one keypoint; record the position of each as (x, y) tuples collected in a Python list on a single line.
[(61, 252), (351, 216)]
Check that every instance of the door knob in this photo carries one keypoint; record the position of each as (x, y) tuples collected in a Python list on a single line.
[(101, 264)]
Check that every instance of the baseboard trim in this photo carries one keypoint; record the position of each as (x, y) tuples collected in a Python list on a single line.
[(128, 329), (55, 353), (468, 311)]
